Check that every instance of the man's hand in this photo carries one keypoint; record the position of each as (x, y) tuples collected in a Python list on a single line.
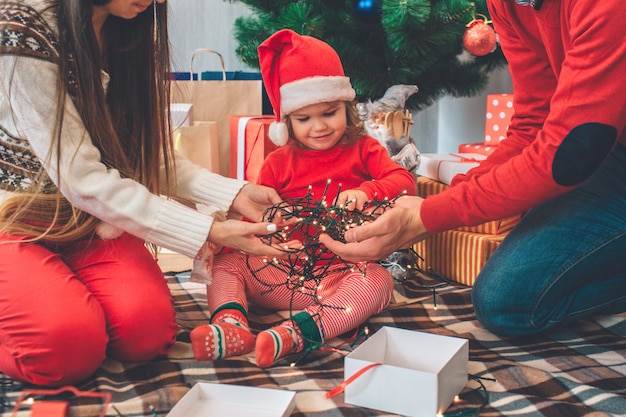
[(397, 228)]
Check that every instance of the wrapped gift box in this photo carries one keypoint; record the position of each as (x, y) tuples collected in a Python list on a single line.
[(456, 254), (443, 167), (479, 148), (181, 114), (497, 117), (413, 373), (249, 145), (223, 400), (200, 144), (427, 186)]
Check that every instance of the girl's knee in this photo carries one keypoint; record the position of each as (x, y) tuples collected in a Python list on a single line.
[(383, 281)]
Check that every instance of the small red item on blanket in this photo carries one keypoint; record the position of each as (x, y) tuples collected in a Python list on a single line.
[(341, 387), (50, 409), (53, 408)]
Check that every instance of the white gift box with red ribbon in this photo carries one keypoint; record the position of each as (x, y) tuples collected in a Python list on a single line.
[(406, 372), (443, 167)]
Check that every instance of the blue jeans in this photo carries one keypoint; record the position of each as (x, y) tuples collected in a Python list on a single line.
[(565, 260)]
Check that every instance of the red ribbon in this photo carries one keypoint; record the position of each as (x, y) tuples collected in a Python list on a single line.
[(341, 387), (464, 158)]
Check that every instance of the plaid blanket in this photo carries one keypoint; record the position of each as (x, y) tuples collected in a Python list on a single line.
[(571, 372)]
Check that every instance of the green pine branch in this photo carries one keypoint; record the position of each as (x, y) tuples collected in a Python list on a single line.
[(405, 42)]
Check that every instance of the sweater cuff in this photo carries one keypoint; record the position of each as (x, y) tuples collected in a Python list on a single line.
[(181, 229), (438, 215), (216, 190)]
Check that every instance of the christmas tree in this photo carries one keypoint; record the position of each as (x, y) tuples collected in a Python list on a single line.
[(385, 42)]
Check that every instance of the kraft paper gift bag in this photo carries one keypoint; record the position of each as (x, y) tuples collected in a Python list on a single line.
[(199, 143), (215, 100)]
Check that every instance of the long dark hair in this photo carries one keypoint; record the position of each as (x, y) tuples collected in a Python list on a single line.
[(136, 56), (129, 124)]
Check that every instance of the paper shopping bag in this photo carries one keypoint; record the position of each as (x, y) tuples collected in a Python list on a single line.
[(215, 100), (199, 144)]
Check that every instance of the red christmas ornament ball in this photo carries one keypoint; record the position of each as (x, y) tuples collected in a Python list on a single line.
[(479, 38)]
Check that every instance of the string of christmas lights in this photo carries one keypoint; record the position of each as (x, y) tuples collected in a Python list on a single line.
[(7, 385), (461, 407), (305, 268), (404, 266)]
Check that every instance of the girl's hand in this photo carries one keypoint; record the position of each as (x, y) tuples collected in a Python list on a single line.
[(397, 228), (354, 199), (243, 236)]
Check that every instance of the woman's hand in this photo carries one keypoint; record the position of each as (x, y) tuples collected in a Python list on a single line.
[(397, 228), (253, 199), (243, 236)]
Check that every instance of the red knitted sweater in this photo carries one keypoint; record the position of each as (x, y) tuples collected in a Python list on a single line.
[(363, 165), (568, 66)]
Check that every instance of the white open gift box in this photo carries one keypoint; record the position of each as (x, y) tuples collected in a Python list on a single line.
[(420, 373), (223, 400)]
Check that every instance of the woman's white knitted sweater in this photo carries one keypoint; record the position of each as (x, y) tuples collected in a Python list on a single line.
[(28, 96)]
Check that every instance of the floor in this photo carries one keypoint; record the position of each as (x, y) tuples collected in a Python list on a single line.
[(170, 261)]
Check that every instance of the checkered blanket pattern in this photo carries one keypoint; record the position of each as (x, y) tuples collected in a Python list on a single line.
[(576, 371)]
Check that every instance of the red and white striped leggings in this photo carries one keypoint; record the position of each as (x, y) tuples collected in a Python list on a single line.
[(350, 296), (63, 311)]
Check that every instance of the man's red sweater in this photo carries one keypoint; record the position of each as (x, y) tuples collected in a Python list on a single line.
[(568, 66)]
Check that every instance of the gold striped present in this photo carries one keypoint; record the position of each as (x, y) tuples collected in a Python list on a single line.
[(456, 254)]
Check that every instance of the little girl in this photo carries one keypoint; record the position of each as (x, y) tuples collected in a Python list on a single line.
[(318, 132)]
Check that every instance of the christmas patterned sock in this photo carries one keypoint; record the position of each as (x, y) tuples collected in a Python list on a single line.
[(227, 335), (286, 338)]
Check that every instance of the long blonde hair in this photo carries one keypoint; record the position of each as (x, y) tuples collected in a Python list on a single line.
[(129, 124)]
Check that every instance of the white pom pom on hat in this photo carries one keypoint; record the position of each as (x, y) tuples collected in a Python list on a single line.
[(279, 134), (299, 71)]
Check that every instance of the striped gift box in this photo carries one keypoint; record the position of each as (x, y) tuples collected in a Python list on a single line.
[(427, 186), (457, 255)]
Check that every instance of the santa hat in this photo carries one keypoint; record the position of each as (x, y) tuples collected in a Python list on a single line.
[(299, 71)]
